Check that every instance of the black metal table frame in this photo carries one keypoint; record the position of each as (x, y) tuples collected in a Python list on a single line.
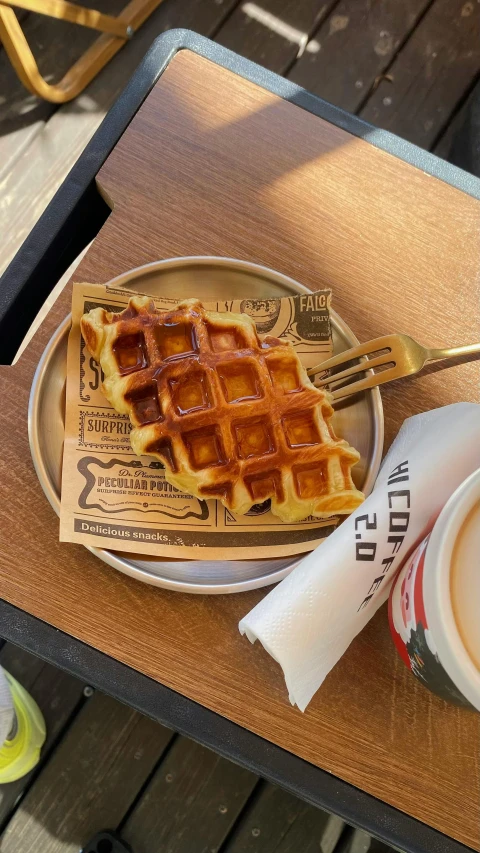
[(72, 219)]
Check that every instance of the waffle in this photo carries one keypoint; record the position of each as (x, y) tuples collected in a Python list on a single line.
[(229, 415)]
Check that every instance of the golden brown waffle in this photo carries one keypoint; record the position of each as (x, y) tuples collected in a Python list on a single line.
[(230, 416)]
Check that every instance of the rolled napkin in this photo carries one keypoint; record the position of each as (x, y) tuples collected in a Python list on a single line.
[(308, 621)]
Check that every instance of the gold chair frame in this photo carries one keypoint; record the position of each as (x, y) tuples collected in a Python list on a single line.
[(115, 32)]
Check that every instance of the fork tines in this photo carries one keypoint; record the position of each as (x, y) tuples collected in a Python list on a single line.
[(376, 354)]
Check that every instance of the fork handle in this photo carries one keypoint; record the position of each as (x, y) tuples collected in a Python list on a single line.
[(440, 354)]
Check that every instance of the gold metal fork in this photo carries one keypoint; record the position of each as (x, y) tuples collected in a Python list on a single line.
[(393, 355)]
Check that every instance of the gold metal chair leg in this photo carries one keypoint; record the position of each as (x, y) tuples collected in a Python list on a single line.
[(84, 70), (65, 11)]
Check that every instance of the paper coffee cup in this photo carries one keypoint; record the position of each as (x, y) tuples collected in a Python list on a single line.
[(434, 607)]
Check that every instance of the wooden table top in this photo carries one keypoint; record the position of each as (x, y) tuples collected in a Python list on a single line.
[(213, 164)]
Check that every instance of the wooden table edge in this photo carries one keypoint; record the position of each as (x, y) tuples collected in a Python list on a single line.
[(228, 739), (44, 258), (27, 274)]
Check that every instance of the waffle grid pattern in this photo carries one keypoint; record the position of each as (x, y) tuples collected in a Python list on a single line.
[(230, 416)]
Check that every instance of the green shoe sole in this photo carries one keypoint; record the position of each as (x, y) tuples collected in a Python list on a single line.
[(21, 752)]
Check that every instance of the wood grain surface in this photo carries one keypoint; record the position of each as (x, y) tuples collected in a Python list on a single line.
[(212, 164), (56, 45), (276, 822), (59, 696), (369, 34), (432, 73), (91, 780), (191, 803), (274, 32), (35, 157)]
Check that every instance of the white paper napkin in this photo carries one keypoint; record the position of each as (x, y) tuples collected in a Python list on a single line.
[(308, 621)]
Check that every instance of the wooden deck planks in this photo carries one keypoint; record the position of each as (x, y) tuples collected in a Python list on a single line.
[(191, 803), (353, 47), (114, 768), (430, 75), (58, 696), (56, 45), (277, 822), (273, 32), (358, 841), (413, 93), (313, 830), (92, 779), (27, 187), (449, 145)]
